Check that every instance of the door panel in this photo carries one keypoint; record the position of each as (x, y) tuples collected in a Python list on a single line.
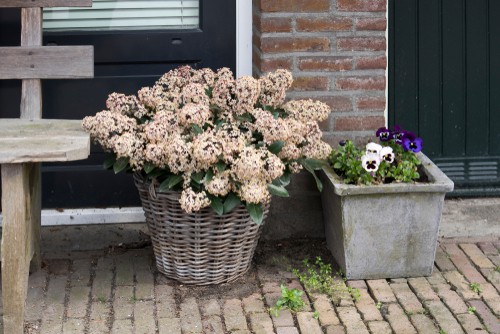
[(444, 73), (125, 61)]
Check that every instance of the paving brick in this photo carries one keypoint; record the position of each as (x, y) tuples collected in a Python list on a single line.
[(284, 319), (460, 284), (102, 284), (271, 287), (213, 325), (295, 284), (357, 284), (241, 331), (261, 323), (190, 316), (144, 288), (55, 296), (495, 259), (165, 301), (463, 264), (335, 329), (379, 327), (80, 272), (352, 320), (78, 301), (443, 261), (210, 307), (443, 316), (406, 297), (122, 327), (366, 306), (488, 248), (123, 304), (307, 323), (253, 303), (144, 321), (436, 278), (423, 324), (169, 326), (99, 315), (471, 323), (324, 307), (287, 330), (451, 299), (422, 289), (124, 270), (34, 303), (38, 279), (51, 326), (233, 315), (489, 319), (74, 326), (477, 256), (105, 263), (398, 320), (381, 291)]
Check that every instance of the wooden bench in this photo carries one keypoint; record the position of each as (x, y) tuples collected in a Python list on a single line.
[(30, 140)]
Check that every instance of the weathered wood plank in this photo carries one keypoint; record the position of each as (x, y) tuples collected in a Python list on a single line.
[(35, 214), (47, 62), (45, 3), (15, 248), (31, 35), (42, 140)]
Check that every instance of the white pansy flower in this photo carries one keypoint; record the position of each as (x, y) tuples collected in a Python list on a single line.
[(370, 162), (386, 154), (373, 148)]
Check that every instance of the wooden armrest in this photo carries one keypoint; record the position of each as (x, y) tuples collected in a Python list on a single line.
[(42, 140)]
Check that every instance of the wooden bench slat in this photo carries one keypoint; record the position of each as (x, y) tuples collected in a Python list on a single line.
[(47, 62), (42, 140), (45, 3)]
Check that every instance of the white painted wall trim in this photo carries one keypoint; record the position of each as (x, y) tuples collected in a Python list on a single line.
[(243, 37), (91, 216)]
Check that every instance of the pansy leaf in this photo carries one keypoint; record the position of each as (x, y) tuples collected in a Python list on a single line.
[(120, 164), (276, 147), (231, 202), (149, 167), (278, 190), (109, 161), (197, 177), (256, 212), (216, 204), (174, 180)]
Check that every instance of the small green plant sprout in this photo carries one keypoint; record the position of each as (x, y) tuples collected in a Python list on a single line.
[(476, 287), (471, 310), (355, 293), (101, 299), (290, 299), (316, 315), (378, 305), (497, 269), (441, 331)]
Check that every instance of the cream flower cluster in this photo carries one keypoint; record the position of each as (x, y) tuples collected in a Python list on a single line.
[(200, 122)]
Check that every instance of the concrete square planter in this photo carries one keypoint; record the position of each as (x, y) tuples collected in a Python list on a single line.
[(384, 231)]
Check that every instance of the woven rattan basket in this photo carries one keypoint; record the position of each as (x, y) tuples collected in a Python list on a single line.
[(199, 248)]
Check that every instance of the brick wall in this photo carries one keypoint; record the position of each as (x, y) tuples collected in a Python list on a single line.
[(336, 50)]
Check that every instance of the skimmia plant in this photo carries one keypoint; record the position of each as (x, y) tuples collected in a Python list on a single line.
[(218, 140), (393, 160)]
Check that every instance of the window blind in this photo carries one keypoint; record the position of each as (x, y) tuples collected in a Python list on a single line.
[(124, 14)]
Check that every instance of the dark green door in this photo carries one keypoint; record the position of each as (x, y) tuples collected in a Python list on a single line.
[(444, 84)]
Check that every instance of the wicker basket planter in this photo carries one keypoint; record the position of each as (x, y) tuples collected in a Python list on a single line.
[(199, 248)]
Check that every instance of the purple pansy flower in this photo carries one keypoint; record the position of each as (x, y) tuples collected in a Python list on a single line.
[(383, 134), (412, 143), (398, 134)]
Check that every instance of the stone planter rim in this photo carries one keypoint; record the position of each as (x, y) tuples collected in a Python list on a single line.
[(438, 182)]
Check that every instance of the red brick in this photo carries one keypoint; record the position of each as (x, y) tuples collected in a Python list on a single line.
[(271, 64), (490, 321), (371, 63), (294, 44), (376, 24), (361, 44), (371, 103), (337, 103), (361, 83), (272, 24), (362, 5), (324, 24), (462, 263), (359, 123), (293, 5), (310, 83), (325, 63)]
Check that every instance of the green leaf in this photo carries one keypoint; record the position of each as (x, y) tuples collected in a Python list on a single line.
[(197, 177), (164, 185), (221, 166), (109, 161), (216, 204), (337, 165), (319, 185), (149, 167), (276, 147), (313, 163), (196, 129), (278, 190), (231, 202), (208, 176), (256, 212), (174, 180), (120, 164), (285, 179)]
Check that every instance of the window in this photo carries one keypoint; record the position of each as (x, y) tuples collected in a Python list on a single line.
[(124, 15)]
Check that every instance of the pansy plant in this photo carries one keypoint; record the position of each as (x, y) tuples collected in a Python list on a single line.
[(393, 160)]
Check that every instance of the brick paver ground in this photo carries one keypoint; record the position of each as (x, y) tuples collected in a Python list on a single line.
[(122, 292)]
